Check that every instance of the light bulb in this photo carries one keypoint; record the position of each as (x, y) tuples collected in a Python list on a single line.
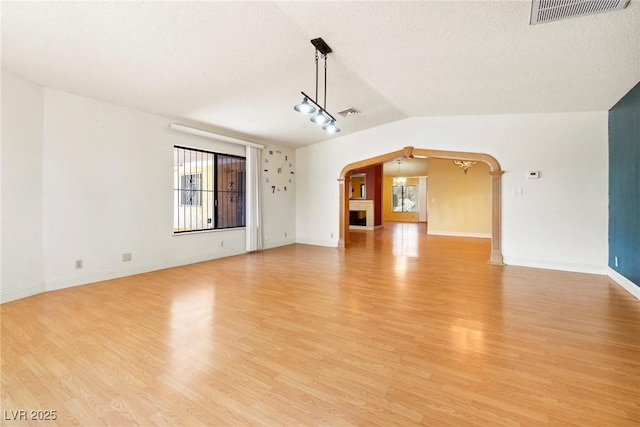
[(320, 118), (304, 107), (331, 127)]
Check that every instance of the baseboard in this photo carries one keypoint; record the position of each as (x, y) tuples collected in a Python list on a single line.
[(57, 284), (576, 268), (458, 234), (625, 283), (326, 243), (23, 292), (276, 244)]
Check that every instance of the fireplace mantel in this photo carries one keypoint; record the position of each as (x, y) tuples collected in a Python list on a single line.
[(366, 206)]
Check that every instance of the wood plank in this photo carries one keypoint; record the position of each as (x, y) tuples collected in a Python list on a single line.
[(401, 328)]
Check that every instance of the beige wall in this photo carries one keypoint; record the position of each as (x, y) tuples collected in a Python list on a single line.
[(459, 204), (387, 213)]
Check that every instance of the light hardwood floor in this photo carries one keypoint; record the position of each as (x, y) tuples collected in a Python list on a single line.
[(399, 329)]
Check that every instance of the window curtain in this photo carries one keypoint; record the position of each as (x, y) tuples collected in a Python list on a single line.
[(253, 202)]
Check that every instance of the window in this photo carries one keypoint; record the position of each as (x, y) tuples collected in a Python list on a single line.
[(191, 189), (209, 190), (230, 192), (405, 198)]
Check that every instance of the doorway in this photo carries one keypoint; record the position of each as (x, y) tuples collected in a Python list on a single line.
[(410, 152)]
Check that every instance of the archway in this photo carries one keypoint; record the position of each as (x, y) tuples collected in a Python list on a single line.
[(410, 152)]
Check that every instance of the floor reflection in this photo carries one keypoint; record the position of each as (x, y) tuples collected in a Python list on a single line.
[(191, 331), (405, 237)]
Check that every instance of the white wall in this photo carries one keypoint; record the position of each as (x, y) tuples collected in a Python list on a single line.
[(100, 184), (317, 203), (559, 221), (21, 249), (108, 180), (278, 205)]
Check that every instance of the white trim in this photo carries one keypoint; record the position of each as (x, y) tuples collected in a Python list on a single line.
[(625, 283), (276, 244), (576, 268), (24, 292), (212, 135), (459, 234), (314, 242), (87, 279)]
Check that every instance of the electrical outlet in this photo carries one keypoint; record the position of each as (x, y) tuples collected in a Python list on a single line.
[(285, 234), (127, 257), (222, 243), (78, 264), (332, 235), (615, 260)]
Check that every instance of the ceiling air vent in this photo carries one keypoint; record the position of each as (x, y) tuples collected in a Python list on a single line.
[(553, 10), (349, 112)]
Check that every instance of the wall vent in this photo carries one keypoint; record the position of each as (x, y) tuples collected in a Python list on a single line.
[(553, 10), (349, 112)]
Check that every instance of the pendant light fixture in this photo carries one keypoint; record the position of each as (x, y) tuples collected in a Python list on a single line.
[(304, 107), (309, 104), (399, 180)]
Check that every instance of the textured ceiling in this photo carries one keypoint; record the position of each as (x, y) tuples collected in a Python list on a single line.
[(238, 67)]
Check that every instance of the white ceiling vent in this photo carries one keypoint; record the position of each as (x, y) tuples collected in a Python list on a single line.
[(349, 112), (553, 10)]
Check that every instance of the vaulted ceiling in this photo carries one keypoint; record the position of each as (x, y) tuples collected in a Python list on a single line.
[(238, 67)]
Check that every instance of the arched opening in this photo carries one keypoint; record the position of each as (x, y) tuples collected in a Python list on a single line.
[(410, 152)]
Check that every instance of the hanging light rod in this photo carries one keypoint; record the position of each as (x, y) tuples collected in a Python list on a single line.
[(316, 104), (305, 107)]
